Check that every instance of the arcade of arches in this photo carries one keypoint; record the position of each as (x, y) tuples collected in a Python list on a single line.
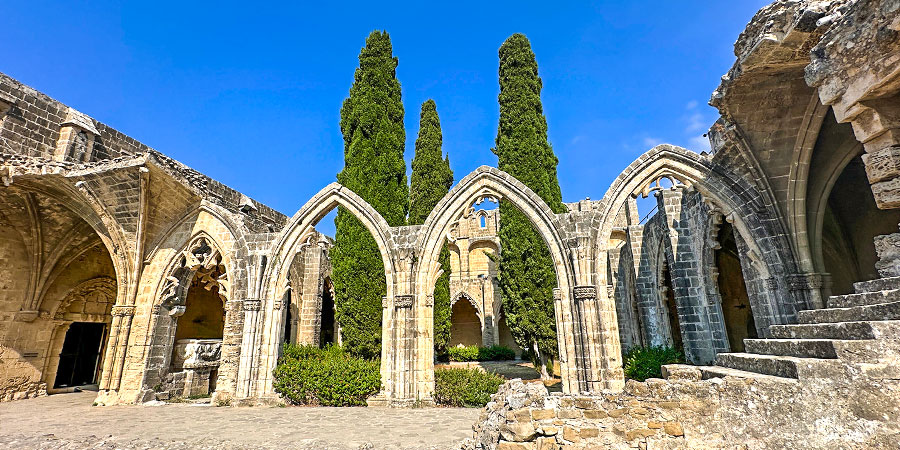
[(126, 269)]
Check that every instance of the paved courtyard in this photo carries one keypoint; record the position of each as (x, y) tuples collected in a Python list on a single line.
[(68, 421)]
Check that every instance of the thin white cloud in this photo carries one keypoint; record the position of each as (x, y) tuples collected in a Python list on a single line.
[(691, 105), (577, 139), (696, 122), (699, 144), (652, 142)]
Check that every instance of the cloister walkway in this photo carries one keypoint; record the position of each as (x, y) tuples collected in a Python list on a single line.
[(68, 421)]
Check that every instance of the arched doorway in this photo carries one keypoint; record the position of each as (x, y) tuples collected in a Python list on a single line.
[(328, 329), (465, 324), (736, 311)]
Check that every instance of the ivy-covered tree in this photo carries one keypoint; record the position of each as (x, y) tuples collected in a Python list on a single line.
[(526, 272), (431, 179), (374, 139)]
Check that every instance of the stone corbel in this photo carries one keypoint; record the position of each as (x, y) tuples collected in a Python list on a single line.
[(26, 316)]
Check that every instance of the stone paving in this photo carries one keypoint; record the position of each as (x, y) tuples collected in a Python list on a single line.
[(68, 421)]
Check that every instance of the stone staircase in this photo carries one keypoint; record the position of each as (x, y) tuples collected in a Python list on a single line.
[(854, 329)]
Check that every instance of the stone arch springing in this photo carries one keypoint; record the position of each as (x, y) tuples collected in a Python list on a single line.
[(578, 363)]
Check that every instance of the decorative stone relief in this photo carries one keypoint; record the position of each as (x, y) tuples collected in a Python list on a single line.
[(404, 301), (585, 292)]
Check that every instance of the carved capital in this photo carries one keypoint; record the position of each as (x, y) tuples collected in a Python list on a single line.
[(808, 281), (557, 294), (123, 310), (251, 305), (403, 301), (585, 292)]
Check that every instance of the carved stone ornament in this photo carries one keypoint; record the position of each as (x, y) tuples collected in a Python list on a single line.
[(197, 353), (557, 294), (403, 301), (251, 305), (585, 292), (123, 310)]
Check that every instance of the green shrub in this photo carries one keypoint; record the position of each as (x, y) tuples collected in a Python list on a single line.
[(475, 353), (465, 387), (307, 375), (495, 353), (457, 353), (646, 362)]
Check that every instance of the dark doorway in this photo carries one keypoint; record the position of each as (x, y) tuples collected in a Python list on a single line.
[(326, 334), (738, 316), (668, 296), (288, 318), (80, 355)]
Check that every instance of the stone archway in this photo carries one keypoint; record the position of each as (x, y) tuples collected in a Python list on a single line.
[(577, 317), (742, 204), (264, 316)]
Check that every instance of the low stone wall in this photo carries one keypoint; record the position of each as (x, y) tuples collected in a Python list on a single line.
[(686, 412)]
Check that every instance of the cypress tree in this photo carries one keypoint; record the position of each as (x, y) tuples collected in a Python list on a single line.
[(526, 272), (374, 138), (431, 179)]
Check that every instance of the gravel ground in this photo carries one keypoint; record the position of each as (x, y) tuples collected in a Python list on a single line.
[(68, 421)]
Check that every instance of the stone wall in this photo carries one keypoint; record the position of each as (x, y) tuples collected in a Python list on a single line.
[(686, 412)]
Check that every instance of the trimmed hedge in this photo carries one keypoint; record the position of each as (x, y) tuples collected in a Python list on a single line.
[(475, 353), (465, 387), (646, 362), (307, 375)]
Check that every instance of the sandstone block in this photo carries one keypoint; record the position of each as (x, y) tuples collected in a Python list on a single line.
[(516, 446), (518, 431), (571, 434), (547, 443), (673, 429), (569, 414), (595, 414), (542, 414)]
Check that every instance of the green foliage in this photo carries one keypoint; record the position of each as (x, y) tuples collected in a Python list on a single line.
[(468, 353), (431, 179), (526, 275), (465, 387), (495, 353), (441, 312), (308, 375), (374, 139), (475, 353), (646, 362)]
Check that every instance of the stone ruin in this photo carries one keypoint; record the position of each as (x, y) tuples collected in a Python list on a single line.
[(772, 260)]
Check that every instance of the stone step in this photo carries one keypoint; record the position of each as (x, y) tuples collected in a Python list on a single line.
[(878, 284), (882, 311), (884, 329), (708, 372), (864, 299), (779, 366), (800, 348)]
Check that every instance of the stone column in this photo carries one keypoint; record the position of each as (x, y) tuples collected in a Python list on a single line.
[(250, 345)]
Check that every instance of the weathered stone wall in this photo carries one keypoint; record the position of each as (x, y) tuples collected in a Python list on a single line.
[(828, 412), (473, 274)]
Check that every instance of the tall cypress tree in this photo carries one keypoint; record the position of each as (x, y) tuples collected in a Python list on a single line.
[(526, 271), (374, 138), (431, 179)]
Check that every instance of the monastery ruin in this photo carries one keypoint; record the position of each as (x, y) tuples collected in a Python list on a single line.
[(773, 261)]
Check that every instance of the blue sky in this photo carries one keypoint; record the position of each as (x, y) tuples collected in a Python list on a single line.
[(250, 94)]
